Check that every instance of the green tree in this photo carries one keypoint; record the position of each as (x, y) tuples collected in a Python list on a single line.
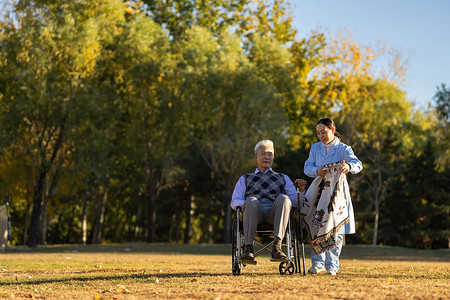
[(53, 54), (152, 131), (306, 105), (442, 107), (267, 18), (417, 211), (366, 105), (224, 95), (178, 16), (387, 140)]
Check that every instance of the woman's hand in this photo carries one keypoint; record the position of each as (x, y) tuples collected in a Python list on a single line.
[(345, 168), (300, 184)]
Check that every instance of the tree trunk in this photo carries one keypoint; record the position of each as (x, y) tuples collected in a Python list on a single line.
[(172, 227), (138, 224), (48, 193), (227, 221), (177, 231), (44, 221), (210, 231), (71, 233), (36, 212), (40, 182), (27, 223), (97, 234), (375, 222), (84, 221), (189, 214), (153, 188), (151, 218)]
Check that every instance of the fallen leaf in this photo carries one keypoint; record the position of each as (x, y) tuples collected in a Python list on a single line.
[(194, 280), (390, 278), (122, 289)]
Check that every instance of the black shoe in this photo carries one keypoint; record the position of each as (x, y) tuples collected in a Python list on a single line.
[(276, 250), (248, 254)]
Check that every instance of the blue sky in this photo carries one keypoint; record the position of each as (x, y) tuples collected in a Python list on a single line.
[(418, 29)]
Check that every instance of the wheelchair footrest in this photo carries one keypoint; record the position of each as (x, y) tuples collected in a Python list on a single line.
[(247, 261), (280, 259)]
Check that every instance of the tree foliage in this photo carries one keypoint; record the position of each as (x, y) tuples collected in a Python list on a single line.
[(133, 120)]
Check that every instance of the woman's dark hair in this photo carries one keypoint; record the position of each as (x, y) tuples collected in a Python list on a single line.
[(330, 124)]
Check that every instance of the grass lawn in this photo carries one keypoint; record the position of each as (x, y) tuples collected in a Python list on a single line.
[(168, 271)]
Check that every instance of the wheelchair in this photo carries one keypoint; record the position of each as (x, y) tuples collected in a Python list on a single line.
[(291, 243)]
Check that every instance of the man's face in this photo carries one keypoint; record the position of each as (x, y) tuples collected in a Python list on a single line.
[(264, 158)]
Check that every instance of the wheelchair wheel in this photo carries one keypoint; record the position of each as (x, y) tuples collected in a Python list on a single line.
[(235, 265), (236, 269), (296, 246), (287, 268)]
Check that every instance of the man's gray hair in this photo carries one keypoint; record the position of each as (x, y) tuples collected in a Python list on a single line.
[(263, 143)]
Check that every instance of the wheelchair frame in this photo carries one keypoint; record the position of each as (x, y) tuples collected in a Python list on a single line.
[(288, 266)]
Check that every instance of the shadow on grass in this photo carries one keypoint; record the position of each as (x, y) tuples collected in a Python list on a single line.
[(154, 278), (146, 278)]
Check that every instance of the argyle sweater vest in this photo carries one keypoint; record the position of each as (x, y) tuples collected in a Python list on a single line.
[(264, 185)]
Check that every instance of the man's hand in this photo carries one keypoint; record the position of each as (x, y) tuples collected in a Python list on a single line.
[(300, 184), (321, 172)]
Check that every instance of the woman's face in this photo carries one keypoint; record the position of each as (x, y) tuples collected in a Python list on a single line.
[(324, 133)]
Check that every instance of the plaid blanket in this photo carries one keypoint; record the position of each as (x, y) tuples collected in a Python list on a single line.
[(325, 210)]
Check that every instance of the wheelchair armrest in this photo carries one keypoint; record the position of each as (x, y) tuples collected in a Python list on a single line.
[(239, 212)]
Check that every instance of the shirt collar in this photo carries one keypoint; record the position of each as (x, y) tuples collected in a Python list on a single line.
[(259, 171), (334, 143)]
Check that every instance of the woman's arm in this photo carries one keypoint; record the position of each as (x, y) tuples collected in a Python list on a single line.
[(351, 159), (310, 168)]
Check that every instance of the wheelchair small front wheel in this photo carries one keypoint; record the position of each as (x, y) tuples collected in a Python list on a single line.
[(236, 269), (287, 268)]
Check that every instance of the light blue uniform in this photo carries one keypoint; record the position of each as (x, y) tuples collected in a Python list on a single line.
[(318, 157)]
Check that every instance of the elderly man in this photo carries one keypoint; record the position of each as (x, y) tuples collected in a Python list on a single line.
[(265, 197)]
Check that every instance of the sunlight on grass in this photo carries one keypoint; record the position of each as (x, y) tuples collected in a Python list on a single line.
[(121, 275)]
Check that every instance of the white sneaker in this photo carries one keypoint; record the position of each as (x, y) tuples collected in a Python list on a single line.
[(315, 270), (332, 272)]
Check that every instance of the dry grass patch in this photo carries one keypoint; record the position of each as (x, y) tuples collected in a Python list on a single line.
[(129, 274)]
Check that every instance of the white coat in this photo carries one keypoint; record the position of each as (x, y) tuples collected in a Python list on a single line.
[(318, 157)]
